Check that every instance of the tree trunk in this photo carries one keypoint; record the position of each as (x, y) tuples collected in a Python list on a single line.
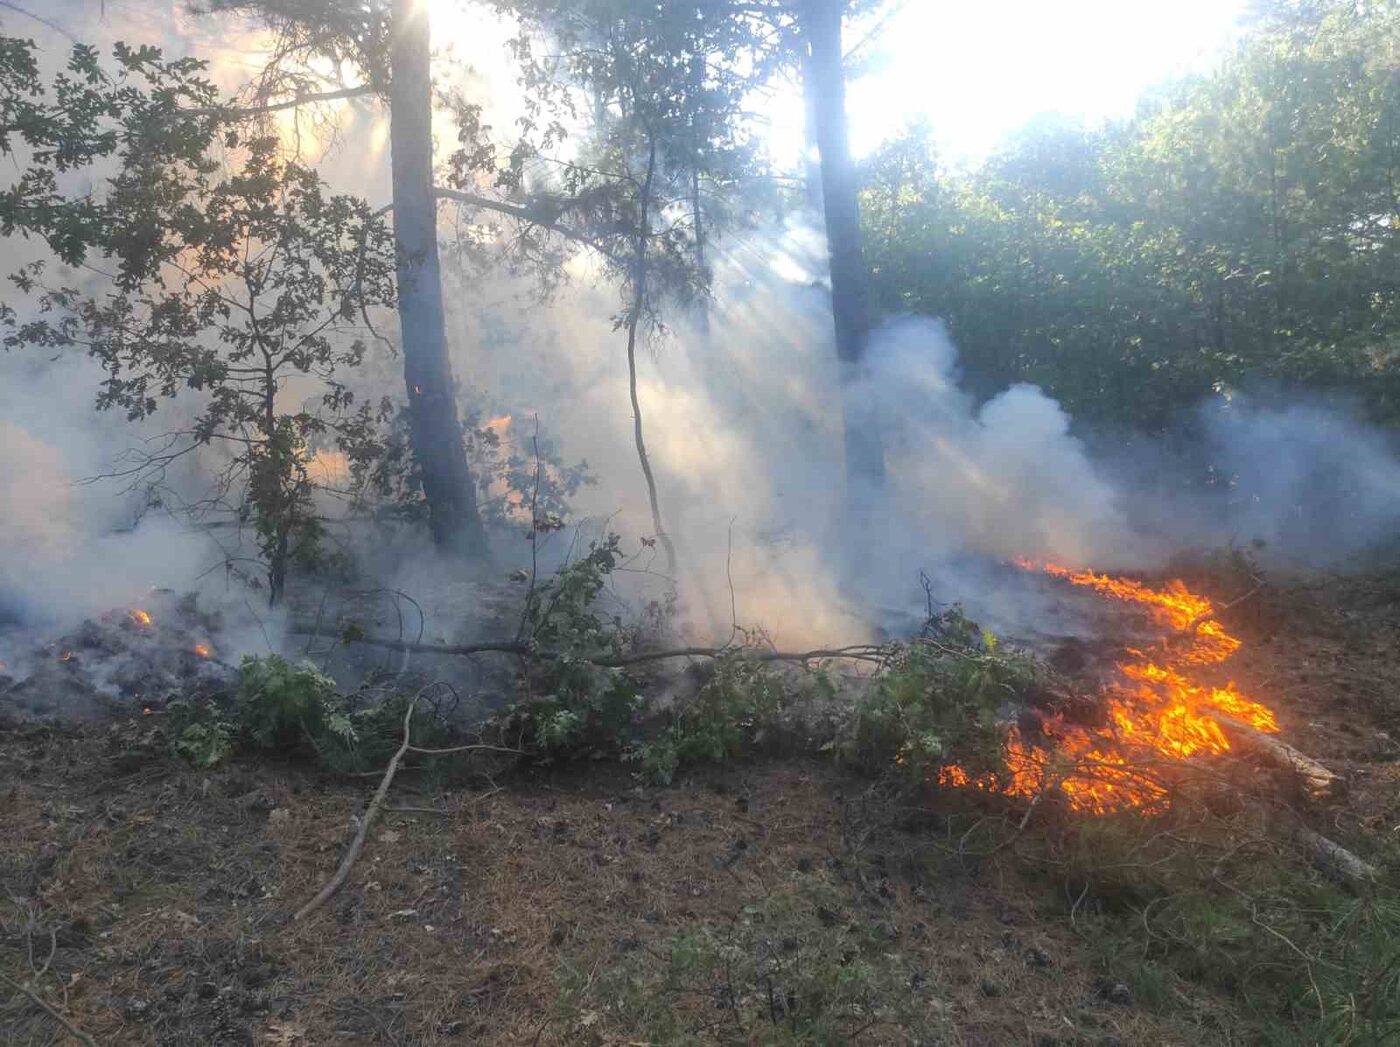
[(634, 319), (436, 433), (826, 94)]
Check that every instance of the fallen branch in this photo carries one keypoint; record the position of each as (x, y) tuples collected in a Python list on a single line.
[(853, 652), (1335, 858), (53, 1012), (1320, 782), (357, 845)]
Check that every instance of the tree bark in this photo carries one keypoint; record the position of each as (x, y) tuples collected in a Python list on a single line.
[(435, 430), (826, 94)]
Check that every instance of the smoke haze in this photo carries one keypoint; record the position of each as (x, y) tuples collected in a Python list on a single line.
[(743, 423)]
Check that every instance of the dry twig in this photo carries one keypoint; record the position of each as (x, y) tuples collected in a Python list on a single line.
[(55, 1014), (357, 845)]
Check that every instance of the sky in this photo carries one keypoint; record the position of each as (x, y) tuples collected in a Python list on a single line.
[(979, 70), (976, 70)]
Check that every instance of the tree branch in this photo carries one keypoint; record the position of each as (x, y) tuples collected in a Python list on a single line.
[(55, 1014), (853, 652), (357, 845), (525, 214), (361, 91)]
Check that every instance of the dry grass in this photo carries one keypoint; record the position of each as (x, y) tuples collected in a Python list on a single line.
[(509, 918)]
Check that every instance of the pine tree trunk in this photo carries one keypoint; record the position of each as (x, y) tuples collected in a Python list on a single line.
[(826, 94), (435, 430)]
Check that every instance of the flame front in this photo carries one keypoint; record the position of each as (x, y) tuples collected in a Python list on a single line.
[(1155, 711), (140, 617)]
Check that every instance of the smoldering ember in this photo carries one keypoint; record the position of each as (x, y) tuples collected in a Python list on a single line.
[(709, 522)]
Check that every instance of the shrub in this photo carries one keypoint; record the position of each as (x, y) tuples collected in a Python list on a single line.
[(291, 709), (941, 699), (574, 705), (732, 713)]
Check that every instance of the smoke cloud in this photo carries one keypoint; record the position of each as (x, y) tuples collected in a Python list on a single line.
[(743, 420)]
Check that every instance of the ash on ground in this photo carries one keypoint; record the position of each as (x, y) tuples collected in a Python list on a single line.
[(128, 660)]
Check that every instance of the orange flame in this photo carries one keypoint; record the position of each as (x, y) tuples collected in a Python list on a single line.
[(1155, 712), (201, 650), (140, 617)]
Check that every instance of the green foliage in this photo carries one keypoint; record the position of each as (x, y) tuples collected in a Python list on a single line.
[(235, 280), (654, 96), (941, 700), (731, 714), (282, 704), (1240, 228), (574, 705), (156, 117), (201, 739), (292, 710)]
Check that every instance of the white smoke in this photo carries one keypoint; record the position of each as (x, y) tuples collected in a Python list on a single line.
[(743, 421), (1308, 484), (69, 548)]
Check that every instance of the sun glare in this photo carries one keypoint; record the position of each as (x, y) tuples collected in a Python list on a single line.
[(978, 72)]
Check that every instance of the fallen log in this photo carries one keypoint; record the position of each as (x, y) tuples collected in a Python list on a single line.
[(1334, 858), (1319, 782)]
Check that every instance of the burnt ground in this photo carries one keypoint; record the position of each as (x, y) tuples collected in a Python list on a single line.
[(768, 902)]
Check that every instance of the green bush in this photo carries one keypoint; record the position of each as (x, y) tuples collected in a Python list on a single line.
[(942, 699), (573, 705), (732, 713), (292, 709)]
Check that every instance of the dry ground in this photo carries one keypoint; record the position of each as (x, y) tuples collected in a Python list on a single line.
[(773, 902)]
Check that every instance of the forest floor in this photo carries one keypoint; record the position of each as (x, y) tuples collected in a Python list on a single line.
[(773, 901)]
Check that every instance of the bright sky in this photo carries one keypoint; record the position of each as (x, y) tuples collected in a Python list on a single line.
[(979, 69)]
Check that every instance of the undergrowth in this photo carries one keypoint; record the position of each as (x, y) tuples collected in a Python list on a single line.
[(1224, 899), (797, 966), (1210, 891), (943, 698), (572, 705), (733, 713), (293, 710)]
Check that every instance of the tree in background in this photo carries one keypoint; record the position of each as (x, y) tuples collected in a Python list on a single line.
[(1241, 228), (825, 80), (432, 397)]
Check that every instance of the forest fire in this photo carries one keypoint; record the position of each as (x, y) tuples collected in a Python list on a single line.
[(1155, 712), (140, 617)]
